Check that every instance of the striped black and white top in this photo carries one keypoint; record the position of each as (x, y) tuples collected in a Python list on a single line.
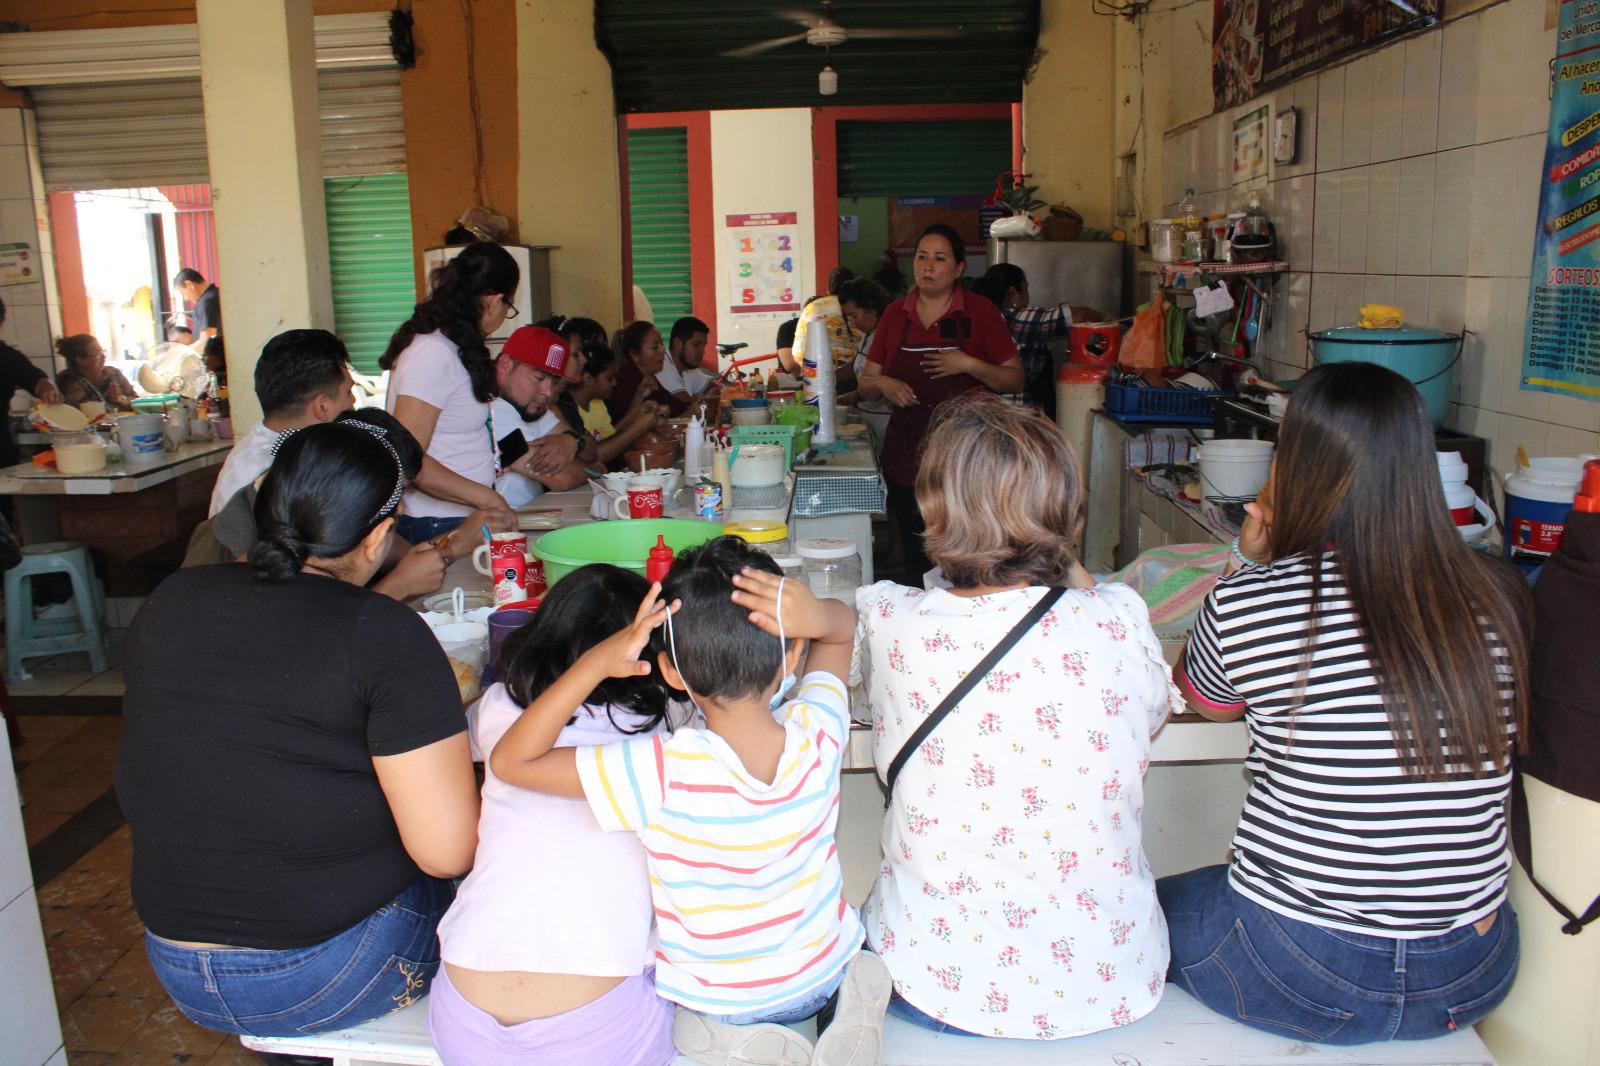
[(1334, 832)]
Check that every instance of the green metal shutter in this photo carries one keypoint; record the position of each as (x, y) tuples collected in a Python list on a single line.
[(658, 220), (922, 158), (373, 266)]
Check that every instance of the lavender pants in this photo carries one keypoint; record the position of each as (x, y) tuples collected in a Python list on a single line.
[(628, 1026)]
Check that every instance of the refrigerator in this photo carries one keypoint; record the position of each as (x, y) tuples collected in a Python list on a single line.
[(532, 298), (1084, 273)]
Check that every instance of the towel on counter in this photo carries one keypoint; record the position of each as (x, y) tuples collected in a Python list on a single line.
[(1173, 582)]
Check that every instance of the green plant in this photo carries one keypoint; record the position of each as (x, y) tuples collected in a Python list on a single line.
[(1012, 192)]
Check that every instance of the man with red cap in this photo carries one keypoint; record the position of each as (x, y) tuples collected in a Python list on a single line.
[(528, 374)]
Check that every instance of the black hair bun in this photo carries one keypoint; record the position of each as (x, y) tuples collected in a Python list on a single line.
[(278, 554)]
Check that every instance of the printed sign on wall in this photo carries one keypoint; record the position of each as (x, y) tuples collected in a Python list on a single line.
[(764, 267), (1561, 348)]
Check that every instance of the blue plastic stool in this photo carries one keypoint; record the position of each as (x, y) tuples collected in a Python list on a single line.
[(28, 637)]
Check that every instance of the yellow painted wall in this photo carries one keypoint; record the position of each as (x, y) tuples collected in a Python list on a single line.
[(568, 189), (1067, 110), (760, 161), (1163, 79)]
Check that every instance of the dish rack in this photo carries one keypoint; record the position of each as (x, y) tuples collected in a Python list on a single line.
[(1126, 403), (794, 439)]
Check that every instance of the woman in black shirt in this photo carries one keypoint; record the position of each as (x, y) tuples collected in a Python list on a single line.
[(294, 765)]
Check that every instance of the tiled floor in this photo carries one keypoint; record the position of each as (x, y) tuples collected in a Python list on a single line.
[(112, 1008)]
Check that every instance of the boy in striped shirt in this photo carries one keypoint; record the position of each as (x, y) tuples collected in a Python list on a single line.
[(738, 818)]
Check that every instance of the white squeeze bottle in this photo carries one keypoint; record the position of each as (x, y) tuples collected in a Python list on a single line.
[(694, 451), (822, 388)]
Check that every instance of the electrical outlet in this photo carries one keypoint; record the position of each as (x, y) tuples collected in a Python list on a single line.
[(1286, 136)]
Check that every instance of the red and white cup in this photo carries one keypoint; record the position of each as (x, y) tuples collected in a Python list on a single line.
[(504, 562), (645, 498)]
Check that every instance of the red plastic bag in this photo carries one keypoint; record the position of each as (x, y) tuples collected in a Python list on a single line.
[(1144, 346)]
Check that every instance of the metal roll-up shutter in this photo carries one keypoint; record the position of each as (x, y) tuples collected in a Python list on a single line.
[(370, 260), (658, 220), (956, 158), (121, 136), (363, 127)]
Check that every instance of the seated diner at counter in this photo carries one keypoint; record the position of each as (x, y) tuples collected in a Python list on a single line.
[(1013, 898), (642, 356), (87, 379), (1381, 667), (262, 697), (932, 346), (441, 381)]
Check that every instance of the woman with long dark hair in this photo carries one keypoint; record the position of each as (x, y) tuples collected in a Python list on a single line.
[(294, 763), (1381, 667), (932, 346), (642, 355), (441, 381)]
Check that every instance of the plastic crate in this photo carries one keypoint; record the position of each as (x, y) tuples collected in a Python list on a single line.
[(793, 439), (1125, 403)]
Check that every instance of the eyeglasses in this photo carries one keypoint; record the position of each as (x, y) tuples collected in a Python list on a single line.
[(511, 311)]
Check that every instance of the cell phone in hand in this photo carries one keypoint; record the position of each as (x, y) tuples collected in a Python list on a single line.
[(513, 446)]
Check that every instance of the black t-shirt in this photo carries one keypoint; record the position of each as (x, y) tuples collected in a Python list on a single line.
[(16, 372), (208, 311), (252, 715)]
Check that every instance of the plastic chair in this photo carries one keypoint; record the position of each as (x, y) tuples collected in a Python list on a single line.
[(28, 637)]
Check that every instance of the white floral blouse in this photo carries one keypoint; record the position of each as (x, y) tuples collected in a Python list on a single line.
[(1014, 898)]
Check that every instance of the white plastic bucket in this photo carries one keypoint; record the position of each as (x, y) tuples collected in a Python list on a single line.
[(1236, 469), (1538, 497), (141, 438)]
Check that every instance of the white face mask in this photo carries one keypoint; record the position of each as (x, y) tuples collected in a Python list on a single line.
[(784, 686)]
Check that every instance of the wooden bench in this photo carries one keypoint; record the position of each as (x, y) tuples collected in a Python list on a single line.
[(1180, 1033)]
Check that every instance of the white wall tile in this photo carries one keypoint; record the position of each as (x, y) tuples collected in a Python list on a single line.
[(1293, 216), (1489, 231), (1514, 431), (1446, 302), (1419, 126), (1291, 316), (1302, 96), (1220, 177), (1357, 148), (14, 171), (1578, 413), (1414, 242), (1350, 291), (1531, 86), (1388, 103), (1522, 210), (1321, 310), (1458, 84), (1383, 217), (1479, 379), (1499, 54), (18, 223), (1325, 222), (31, 327), (1330, 119), (1379, 289), (1353, 193), (1411, 296), (1480, 423), (1452, 211), (1560, 440)]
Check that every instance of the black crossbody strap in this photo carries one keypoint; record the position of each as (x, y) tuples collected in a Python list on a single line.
[(1522, 845), (959, 693)]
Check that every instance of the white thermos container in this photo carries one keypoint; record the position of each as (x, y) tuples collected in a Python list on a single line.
[(821, 381)]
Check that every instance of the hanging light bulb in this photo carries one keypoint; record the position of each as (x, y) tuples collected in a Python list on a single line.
[(827, 81)]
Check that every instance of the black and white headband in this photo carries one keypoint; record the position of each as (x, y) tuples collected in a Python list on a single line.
[(382, 437)]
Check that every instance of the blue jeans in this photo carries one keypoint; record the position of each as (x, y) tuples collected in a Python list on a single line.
[(905, 1011), (1310, 982), (378, 965), (819, 1004), (414, 529)]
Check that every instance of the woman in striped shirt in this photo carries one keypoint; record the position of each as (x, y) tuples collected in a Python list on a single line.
[(1380, 666)]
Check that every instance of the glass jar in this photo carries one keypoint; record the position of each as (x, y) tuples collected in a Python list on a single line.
[(770, 537), (832, 567), (792, 566)]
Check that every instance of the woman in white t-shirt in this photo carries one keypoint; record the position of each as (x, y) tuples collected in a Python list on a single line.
[(549, 947), (1014, 899), (441, 379)]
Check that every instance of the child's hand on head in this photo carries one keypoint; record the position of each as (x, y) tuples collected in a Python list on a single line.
[(803, 614), (618, 654)]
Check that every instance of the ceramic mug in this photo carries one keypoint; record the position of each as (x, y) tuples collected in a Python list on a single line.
[(645, 498), (507, 554)]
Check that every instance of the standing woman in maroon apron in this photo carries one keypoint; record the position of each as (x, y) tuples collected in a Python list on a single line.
[(934, 345)]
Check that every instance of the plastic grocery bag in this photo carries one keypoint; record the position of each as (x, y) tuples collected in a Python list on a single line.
[(1144, 347)]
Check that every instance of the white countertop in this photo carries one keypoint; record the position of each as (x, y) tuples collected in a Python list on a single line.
[(26, 479)]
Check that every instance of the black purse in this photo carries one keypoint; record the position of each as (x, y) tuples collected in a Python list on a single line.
[(959, 693)]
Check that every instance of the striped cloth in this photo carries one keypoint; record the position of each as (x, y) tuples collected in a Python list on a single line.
[(745, 876), (1333, 831)]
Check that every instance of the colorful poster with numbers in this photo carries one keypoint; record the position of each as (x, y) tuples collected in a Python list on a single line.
[(764, 272), (1561, 348)]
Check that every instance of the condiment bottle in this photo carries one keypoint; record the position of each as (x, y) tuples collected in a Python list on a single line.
[(1588, 499), (659, 561)]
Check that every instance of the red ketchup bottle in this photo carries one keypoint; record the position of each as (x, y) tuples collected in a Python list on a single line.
[(1588, 498), (658, 562)]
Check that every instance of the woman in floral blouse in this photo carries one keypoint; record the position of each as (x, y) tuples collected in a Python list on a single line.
[(1014, 899)]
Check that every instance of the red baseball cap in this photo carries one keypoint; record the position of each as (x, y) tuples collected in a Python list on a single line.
[(538, 347)]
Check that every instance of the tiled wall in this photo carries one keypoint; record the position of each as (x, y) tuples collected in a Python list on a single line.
[(1416, 184), (33, 314)]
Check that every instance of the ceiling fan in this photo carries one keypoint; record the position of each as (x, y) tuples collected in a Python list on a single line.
[(822, 32)]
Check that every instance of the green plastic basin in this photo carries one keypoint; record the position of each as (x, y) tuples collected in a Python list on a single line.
[(623, 543)]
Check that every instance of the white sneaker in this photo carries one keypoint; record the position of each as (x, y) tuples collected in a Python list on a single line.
[(720, 1044), (855, 1038)]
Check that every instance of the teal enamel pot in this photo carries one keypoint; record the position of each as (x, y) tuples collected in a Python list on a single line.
[(1426, 357)]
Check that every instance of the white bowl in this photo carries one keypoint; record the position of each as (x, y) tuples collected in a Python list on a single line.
[(669, 477), (757, 466)]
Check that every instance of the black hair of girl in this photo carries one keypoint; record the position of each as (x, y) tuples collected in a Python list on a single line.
[(597, 356), (999, 280), (938, 229), (328, 487), (454, 307), (581, 610), (720, 652)]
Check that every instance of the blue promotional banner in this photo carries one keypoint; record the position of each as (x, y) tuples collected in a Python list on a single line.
[(1561, 350)]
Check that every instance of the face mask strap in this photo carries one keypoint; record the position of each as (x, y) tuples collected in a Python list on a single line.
[(672, 646)]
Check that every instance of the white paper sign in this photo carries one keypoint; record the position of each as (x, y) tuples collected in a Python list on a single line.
[(1212, 300)]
